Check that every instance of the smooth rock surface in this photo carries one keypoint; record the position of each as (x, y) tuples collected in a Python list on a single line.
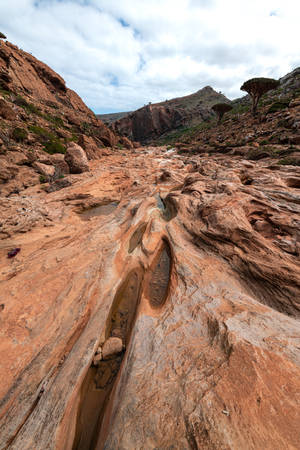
[(215, 366)]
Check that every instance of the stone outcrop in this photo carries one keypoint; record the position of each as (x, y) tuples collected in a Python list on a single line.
[(40, 116), (153, 120), (197, 274), (76, 159)]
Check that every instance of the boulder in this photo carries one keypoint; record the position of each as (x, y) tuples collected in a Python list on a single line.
[(44, 169), (76, 159), (111, 347), (58, 161), (89, 145), (6, 111), (126, 142)]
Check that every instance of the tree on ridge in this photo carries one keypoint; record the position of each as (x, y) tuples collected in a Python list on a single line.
[(220, 109), (256, 87)]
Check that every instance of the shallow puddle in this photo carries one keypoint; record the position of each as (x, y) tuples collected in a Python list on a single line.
[(160, 279), (167, 209), (98, 384), (101, 210)]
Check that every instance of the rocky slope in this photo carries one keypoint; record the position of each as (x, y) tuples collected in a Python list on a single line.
[(41, 117), (153, 302), (274, 133), (153, 120)]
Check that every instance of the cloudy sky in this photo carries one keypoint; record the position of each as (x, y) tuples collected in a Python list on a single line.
[(120, 54)]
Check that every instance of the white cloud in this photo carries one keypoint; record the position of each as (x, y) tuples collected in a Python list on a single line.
[(119, 55)]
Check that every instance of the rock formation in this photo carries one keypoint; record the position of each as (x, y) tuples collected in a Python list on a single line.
[(153, 120), (40, 116), (152, 301)]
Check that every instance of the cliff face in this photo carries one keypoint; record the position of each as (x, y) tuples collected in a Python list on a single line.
[(40, 117), (152, 121)]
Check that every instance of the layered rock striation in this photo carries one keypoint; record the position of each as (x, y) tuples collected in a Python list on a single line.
[(154, 303)]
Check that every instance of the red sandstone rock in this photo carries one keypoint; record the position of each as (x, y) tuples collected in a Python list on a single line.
[(89, 145), (126, 142), (111, 347), (44, 169), (6, 112), (214, 364), (38, 97), (198, 276), (76, 159), (58, 161)]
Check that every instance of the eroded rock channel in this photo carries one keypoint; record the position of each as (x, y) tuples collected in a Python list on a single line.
[(101, 376)]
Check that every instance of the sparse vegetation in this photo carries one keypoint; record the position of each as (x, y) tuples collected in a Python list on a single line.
[(54, 146), (220, 109), (256, 87), (42, 132), (278, 106), (289, 161), (51, 142), (56, 120), (30, 108), (19, 134), (43, 179)]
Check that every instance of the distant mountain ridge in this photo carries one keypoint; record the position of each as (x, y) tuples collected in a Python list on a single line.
[(109, 118), (152, 120)]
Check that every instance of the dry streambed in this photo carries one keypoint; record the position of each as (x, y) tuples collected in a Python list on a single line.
[(159, 308)]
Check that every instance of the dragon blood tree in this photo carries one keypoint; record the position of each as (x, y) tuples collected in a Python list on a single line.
[(256, 87), (2, 36), (220, 109)]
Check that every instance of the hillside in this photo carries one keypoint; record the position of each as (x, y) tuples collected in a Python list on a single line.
[(151, 121), (274, 133), (40, 119)]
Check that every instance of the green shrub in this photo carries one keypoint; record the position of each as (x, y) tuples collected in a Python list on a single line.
[(278, 106), (289, 161), (54, 119), (54, 146), (30, 108), (42, 132), (20, 101), (43, 179), (19, 134), (4, 92)]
